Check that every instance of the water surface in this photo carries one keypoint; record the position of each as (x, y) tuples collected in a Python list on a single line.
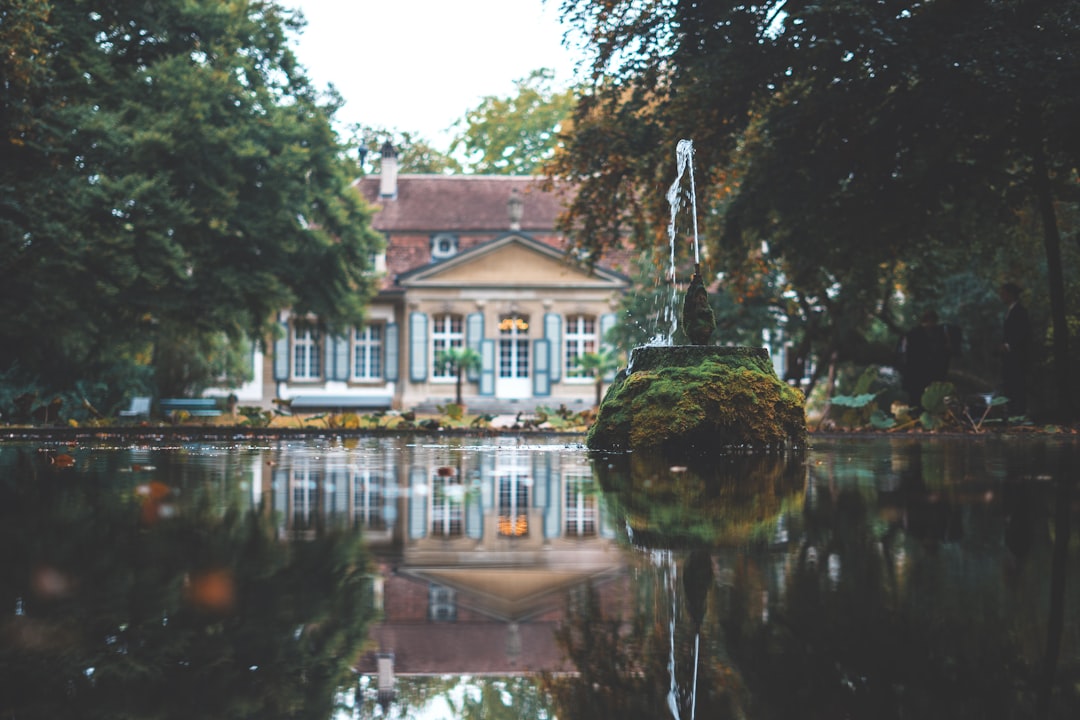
[(503, 577)]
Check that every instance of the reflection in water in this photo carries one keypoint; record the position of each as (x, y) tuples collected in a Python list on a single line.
[(866, 578)]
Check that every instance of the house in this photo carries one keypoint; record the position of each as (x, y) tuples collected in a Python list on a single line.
[(470, 260)]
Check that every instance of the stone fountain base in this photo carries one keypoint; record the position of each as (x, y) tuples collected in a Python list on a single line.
[(698, 399)]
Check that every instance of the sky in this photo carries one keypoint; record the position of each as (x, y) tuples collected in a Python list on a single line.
[(420, 65)]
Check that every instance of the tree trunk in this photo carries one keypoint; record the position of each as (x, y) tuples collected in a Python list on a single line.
[(1052, 241)]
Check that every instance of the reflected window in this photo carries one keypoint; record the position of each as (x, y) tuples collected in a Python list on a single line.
[(305, 497), (513, 505), (442, 604), (447, 501), (369, 498), (580, 509)]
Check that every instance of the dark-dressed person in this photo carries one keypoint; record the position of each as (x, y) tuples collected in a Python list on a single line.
[(1015, 346), (924, 356)]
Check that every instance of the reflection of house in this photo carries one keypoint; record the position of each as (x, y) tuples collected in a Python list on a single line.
[(470, 261), (478, 551)]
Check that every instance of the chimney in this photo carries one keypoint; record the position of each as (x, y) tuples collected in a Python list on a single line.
[(388, 172), (516, 206)]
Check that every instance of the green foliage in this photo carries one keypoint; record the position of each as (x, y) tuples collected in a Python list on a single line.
[(861, 406), (199, 611), (515, 135), (459, 360), (169, 166), (839, 152), (255, 417), (598, 365), (453, 411), (186, 363)]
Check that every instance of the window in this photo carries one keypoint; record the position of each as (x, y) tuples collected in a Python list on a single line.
[(513, 518), (580, 511), (306, 364), (304, 483), (376, 262), (446, 333), (367, 352), (443, 246), (580, 339), (447, 503), (369, 499), (442, 603), (513, 346), (512, 482)]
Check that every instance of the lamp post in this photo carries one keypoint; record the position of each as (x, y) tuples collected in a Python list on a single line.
[(385, 684)]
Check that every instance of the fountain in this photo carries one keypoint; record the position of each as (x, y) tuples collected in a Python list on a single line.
[(697, 398)]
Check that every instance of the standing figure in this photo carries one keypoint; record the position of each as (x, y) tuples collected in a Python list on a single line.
[(924, 355), (1015, 344), (698, 318)]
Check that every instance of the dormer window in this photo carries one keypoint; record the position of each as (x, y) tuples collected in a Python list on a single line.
[(443, 246)]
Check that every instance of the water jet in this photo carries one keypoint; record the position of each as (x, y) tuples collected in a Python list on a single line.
[(697, 398)]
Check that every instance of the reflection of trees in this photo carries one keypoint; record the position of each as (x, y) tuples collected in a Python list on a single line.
[(621, 655), (127, 608), (872, 621), (467, 698)]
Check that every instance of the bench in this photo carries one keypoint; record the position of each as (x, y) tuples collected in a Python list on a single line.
[(139, 407), (195, 407), (341, 402)]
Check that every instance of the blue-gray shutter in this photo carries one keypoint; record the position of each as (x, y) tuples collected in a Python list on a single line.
[(390, 346), (281, 354), (553, 334), (487, 367), (417, 347), (487, 482), (541, 368), (282, 494), (546, 494), (418, 495), (335, 498), (607, 321), (474, 516), (474, 335), (337, 354)]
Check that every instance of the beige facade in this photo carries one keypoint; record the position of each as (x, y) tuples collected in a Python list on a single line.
[(470, 261)]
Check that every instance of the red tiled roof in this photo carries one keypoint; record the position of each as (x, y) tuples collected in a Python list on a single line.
[(460, 203), (474, 208)]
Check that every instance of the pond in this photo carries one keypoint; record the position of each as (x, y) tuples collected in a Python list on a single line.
[(505, 577)]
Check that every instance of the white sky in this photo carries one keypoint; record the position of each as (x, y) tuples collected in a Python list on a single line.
[(420, 65)]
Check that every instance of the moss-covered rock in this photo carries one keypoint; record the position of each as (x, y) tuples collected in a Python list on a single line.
[(689, 399)]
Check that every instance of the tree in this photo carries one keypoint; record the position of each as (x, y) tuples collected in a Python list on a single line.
[(166, 167), (836, 146), (459, 360), (515, 135), (598, 365)]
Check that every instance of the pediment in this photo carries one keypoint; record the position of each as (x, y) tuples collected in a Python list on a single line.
[(513, 261), (508, 593)]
